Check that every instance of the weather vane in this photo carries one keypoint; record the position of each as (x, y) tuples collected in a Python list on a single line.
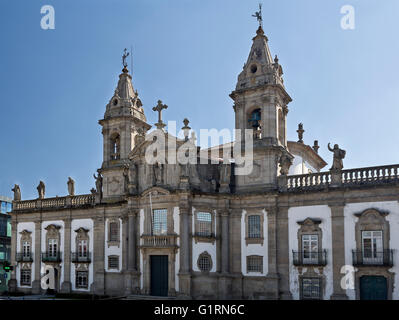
[(258, 15), (125, 55)]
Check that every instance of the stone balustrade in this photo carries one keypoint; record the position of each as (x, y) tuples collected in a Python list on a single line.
[(347, 178), (54, 203), (156, 241)]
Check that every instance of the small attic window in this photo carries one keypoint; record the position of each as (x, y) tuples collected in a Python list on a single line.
[(254, 68), (115, 102)]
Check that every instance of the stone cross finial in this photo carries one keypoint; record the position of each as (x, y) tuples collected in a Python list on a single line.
[(186, 128), (316, 146), (159, 107), (124, 63), (300, 132)]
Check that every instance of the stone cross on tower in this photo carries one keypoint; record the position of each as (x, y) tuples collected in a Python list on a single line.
[(159, 107), (124, 63)]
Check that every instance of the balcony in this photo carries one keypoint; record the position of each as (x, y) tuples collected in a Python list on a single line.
[(24, 257), (52, 256), (79, 257), (316, 258), (382, 258), (159, 241)]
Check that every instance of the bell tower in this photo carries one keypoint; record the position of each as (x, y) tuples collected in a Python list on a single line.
[(260, 104), (124, 119)]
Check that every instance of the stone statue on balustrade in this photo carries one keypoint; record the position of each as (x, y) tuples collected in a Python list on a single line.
[(339, 154), (17, 192), (41, 189), (71, 186), (99, 183)]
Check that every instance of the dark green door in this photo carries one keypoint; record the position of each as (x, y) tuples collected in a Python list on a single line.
[(159, 275), (373, 288)]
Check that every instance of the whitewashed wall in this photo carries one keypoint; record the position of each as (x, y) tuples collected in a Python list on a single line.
[(30, 226), (254, 248), (113, 250), (300, 166), (392, 207), (295, 214), (200, 247), (87, 224)]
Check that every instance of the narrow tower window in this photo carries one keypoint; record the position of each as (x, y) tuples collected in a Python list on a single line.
[(115, 147)]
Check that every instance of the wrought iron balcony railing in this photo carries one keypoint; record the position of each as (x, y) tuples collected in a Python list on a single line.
[(306, 258), (52, 256), (376, 258), (24, 257), (81, 257)]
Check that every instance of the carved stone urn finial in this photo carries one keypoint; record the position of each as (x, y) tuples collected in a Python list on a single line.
[(300, 132)]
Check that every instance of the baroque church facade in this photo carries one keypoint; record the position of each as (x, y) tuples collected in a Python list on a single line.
[(285, 230)]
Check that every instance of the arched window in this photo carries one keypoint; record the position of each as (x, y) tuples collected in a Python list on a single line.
[(115, 146), (254, 122)]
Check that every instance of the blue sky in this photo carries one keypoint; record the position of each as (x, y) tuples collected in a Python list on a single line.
[(55, 84)]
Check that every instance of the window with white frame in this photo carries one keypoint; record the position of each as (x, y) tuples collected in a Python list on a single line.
[(204, 224), (310, 248), (25, 277), (52, 247), (310, 288), (82, 248), (254, 227), (372, 247), (255, 264), (82, 279), (26, 249), (160, 221), (113, 262)]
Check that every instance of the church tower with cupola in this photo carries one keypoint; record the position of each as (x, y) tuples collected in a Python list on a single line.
[(260, 105), (124, 124)]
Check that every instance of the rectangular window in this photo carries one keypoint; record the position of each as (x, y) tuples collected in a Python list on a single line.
[(82, 279), (204, 223), (52, 247), (26, 249), (311, 288), (82, 248), (372, 247), (160, 221), (254, 226), (113, 262), (114, 231), (3, 208), (25, 277), (255, 264), (310, 248)]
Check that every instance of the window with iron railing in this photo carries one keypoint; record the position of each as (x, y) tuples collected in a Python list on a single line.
[(114, 231), (82, 248), (204, 224), (25, 277), (311, 288), (254, 227), (204, 262), (254, 264), (113, 262), (52, 248), (26, 249)]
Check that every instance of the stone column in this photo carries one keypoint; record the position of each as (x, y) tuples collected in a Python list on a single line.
[(272, 275), (235, 253), (66, 286), (184, 272), (98, 255), (126, 254), (338, 249), (224, 279), (132, 242), (283, 253), (36, 285), (12, 283)]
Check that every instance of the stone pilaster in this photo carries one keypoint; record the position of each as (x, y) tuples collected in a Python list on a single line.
[(283, 253), (36, 285), (12, 283), (272, 275), (235, 253), (98, 255), (225, 279), (184, 272), (66, 286), (338, 249)]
